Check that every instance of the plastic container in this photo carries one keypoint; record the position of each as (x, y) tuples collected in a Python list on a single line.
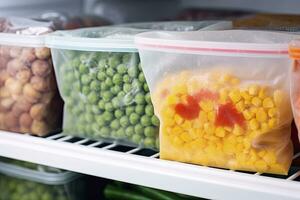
[(222, 97), (101, 82), (28, 90), (18, 182)]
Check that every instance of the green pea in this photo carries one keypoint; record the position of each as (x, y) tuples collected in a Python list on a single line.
[(129, 131), (110, 72), (69, 77), (124, 121), (83, 69), (137, 85), (117, 79), (126, 78), (119, 113), (140, 66), (113, 61), (146, 88), (104, 86), (101, 104), (122, 69), (127, 87), (93, 97), (128, 99), (142, 77), (133, 72), (138, 129), (107, 96), (121, 133), (140, 99), (129, 110), (148, 98), (108, 81), (104, 131), (115, 89), (155, 120), (121, 94), (137, 139), (102, 63), (95, 109), (107, 116), (86, 90), (95, 85), (89, 117), (101, 76), (149, 110), (115, 124), (100, 120), (150, 131), (115, 102), (145, 120), (149, 142), (109, 106), (85, 79), (77, 86), (139, 109), (134, 118)]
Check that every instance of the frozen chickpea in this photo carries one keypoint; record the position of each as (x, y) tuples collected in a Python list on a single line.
[(3, 62), (31, 94), (38, 111), (25, 120), (24, 75), (39, 83), (11, 120), (42, 52), (15, 52), (14, 65), (39, 127), (27, 55), (16, 110), (23, 104), (7, 103), (14, 86), (41, 68)]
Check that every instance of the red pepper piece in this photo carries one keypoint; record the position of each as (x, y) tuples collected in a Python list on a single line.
[(206, 94), (190, 110), (228, 115)]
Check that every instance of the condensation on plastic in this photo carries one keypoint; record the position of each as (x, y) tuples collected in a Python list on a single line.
[(28, 90), (105, 92), (19, 182), (222, 97)]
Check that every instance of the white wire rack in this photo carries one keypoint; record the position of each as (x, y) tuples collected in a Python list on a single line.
[(142, 166)]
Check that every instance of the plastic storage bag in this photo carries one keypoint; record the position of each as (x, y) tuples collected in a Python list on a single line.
[(28, 91), (24, 181), (101, 82), (222, 97)]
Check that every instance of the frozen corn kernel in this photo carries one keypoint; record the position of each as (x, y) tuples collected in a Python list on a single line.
[(247, 114), (262, 93), (237, 130), (278, 97), (181, 89), (172, 99), (264, 127), (235, 96), (268, 103), (240, 106), (208, 128), (169, 121), (261, 115), (185, 137), (197, 124), (220, 132), (168, 113), (186, 125), (272, 112), (178, 119), (246, 96), (211, 116), (206, 106), (177, 141), (262, 153), (253, 90), (253, 124), (272, 123), (203, 117), (256, 101), (177, 130)]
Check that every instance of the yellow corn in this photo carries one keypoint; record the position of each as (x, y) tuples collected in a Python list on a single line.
[(272, 123), (240, 106), (253, 90), (220, 132), (253, 124), (246, 95), (247, 114), (178, 119), (256, 101), (261, 115), (211, 116), (235, 96), (203, 117), (237, 130), (206, 106), (180, 88), (262, 93), (208, 128), (272, 112), (223, 95), (268, 103)]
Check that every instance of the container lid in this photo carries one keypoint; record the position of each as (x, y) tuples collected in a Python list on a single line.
[(121, 37), (55, 177), (23, 32)]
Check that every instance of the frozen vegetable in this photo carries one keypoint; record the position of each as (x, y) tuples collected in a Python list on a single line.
[(222, 97)]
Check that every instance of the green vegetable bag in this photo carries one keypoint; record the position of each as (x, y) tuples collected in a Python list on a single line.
[(100, 79)]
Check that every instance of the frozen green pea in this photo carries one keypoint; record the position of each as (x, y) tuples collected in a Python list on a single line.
[(128, 99), (140, 98), (137, 85), (69, 77), (119, 113), (121, 94), (86, 90), (115, 102), (127, 87), (129, 131), (101, 76), (138, 129), (104, 131), (121, 133), (95, 109), (113, 61), (108, 81), (129, 110), (115, 124), (117, 79), (83, 69), (106, 95), (124, 121), (93, 97), (149, 110), (77, 86), (133, 72), (102, 63), (88, 109), (109, 106), (95, 85), (148, 98), (150, 131), (93, 74), (122, 69), (104, 86), (140, 66), (146, 88), (139, 109), (155, 120), (110, 72), (101, 104), (107, 116), (137, 138), (145, 120), (100, 120), (126, 78), (142, 77), (134, 118), (115, 89), (85, 79), (149, 142)]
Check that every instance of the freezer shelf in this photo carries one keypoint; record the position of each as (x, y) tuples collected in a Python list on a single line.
[(140, 166)]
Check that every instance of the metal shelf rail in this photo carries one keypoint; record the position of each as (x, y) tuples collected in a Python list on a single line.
[(142, 166)]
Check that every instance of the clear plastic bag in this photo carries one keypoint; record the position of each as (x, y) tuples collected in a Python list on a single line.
[(222, 97), (28, 90), (101, 82), (27, 181)]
